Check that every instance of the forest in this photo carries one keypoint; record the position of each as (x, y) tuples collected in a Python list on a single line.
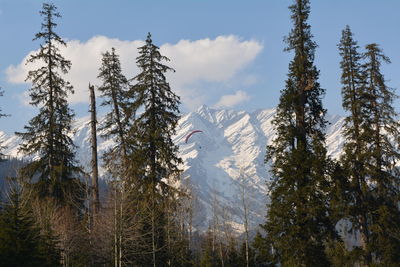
[(142, 215)]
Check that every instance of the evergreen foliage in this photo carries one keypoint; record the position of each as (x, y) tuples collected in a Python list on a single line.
[(355, 205), (21, 243), (155, 157), (209, 256), (262, 251), (298, 224), (154, 127), (382, 137), (370, 194), (116, 122), (114, 93), (142, 221), (47, 133), (242, 261)]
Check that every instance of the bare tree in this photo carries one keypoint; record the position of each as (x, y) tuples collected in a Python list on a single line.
[(245, 206), (95, 170), (216, 227)]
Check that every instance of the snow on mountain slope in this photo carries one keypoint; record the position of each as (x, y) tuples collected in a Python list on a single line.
[(231, 145)]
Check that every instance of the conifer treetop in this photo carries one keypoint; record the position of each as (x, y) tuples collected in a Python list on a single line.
[(47, 77), (157, 123), (47, 134)]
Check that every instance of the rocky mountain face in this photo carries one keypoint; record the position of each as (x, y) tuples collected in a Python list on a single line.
[(220, 163)]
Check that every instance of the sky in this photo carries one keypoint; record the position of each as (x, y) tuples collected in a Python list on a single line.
[(226, 53)]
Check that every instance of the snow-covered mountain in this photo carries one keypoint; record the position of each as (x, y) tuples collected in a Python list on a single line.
[(231, 145)]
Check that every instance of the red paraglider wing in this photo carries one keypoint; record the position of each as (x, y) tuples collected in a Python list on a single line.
[(191, 133)]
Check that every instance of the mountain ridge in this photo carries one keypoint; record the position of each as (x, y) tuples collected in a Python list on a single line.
[(231, 145)]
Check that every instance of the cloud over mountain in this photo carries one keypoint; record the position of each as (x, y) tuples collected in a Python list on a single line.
[(206, 60)]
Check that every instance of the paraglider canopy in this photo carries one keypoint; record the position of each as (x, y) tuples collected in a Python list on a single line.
[(191, 133)]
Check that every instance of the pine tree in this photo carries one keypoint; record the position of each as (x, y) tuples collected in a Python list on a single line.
[(114, 93), (381, 133), (21, 243), (262, 251), (47, 133), (370, 152), (208, 253), (155, 155), (298, 224), (353, 92)]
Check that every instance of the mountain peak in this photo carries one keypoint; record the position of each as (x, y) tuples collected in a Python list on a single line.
[(203, 108), (230, 141)]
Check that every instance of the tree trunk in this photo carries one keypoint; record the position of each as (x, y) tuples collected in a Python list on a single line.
[(95, 169), (116, 251)]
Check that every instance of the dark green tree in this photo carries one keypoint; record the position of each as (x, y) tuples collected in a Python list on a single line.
[(115, 95), (263, 252), (370, 154), (47, 133), (355, 202), (381, 133), (298, 224), (243, 255), (21, 243), (208, 251), (155, 155), (114, 92)]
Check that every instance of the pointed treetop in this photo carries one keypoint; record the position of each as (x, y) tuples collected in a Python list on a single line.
[(148, 40), (374, 49), (48, 11)]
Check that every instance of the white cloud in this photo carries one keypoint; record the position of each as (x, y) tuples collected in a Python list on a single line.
[(229, 101), (86, 60), (204, 60), (215, 60)]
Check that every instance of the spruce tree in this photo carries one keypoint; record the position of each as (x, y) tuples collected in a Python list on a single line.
[(114, 93), (208, 254), (381, 133), (370, 153), (298, 224), (353, 92), (155, 155), (46, 135), (21, 243)]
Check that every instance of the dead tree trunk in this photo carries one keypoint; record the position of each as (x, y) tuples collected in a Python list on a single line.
[(95, 169)]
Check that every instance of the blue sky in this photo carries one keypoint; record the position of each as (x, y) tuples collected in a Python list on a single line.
[(228, 54)]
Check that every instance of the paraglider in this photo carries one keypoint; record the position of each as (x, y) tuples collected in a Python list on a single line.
[(191, 133)]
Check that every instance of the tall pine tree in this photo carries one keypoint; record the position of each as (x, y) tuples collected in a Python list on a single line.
[(298, 224), (370, 153), (114, 93), (155, 155), (47, 133), (382, 135), (353, 92)]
